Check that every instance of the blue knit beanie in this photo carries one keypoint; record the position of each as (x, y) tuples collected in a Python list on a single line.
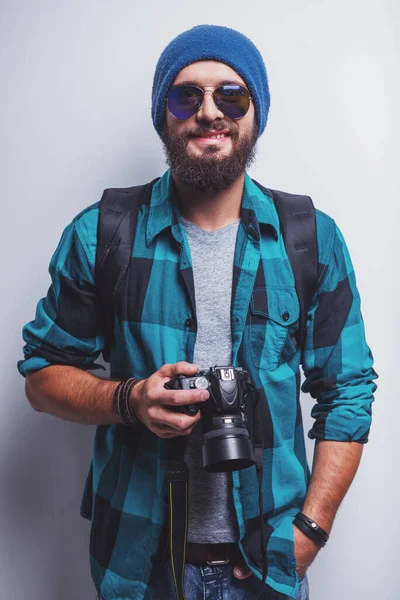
[(211, 42)]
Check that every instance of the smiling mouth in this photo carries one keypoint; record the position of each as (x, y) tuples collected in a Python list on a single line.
[(211, 137)]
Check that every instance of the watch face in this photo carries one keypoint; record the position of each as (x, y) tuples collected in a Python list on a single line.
[(201, 383)]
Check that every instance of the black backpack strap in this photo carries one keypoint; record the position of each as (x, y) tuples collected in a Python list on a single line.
[(119, 208), (298, 226)]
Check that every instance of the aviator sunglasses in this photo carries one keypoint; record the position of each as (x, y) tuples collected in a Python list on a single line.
[(232, 100)]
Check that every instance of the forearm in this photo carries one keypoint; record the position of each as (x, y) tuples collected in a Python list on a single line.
[(72, 394), (334, 467)]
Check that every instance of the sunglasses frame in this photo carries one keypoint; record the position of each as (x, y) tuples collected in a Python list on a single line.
[(203, 91)]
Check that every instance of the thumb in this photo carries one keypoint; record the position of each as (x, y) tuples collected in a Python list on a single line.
[(241, 571)]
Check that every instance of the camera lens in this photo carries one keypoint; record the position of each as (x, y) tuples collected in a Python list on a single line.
[(227, 449)]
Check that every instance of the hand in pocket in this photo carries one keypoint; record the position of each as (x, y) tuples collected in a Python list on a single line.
[(305, 550)]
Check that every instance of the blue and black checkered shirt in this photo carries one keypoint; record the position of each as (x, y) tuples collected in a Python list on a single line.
[(155, 323)]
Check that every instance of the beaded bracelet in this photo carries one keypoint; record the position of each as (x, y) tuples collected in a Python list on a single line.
[(122, 406)]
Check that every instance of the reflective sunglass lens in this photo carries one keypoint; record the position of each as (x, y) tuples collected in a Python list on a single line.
[(232, 100), (184, 101)]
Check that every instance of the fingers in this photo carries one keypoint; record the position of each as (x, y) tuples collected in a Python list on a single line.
[(180, 368), (180, 397), (180, 422), (165, 431), (156, 401), (176, 397), (158, 395), (241, 571), (168, 432)]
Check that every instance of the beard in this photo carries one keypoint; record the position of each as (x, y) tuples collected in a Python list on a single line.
[(213, 171)]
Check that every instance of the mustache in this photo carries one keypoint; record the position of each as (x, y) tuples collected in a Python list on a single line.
[(215, 127)]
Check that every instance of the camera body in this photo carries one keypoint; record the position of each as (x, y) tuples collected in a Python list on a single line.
[(226, 442)]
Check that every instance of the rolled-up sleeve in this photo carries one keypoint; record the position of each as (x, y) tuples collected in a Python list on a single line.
[(66, 329), (337, 361)]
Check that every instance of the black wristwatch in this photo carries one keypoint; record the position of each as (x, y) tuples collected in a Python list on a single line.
[(311, 529)]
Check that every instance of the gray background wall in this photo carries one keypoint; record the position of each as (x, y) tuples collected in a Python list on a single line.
[(75, 118)]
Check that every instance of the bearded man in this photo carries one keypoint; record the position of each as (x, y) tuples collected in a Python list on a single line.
[(209, 283)]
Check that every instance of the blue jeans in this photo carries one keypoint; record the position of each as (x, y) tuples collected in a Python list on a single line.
[(217, 582)]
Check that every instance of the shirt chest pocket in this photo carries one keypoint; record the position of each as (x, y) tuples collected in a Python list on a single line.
[(274, 319)]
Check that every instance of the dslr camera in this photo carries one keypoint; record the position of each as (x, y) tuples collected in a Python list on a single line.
[(227, 445)]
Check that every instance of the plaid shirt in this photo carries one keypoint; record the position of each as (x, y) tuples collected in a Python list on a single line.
[(125, 494)]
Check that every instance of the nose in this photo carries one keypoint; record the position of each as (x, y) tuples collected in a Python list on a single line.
[(209, 111)]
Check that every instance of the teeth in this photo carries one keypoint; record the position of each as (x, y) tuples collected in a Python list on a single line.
[(215, 137)]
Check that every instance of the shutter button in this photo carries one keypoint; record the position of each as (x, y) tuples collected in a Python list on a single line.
[(285, 316), (189, 322)]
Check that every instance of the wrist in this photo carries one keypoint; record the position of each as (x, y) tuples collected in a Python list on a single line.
[(311, 529), (135, 398), (322, 513), (136, 393), (305, 541), (123, 405)]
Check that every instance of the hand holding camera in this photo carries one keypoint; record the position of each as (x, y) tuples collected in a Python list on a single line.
[(174, 398), (226, 439), (152, 402)]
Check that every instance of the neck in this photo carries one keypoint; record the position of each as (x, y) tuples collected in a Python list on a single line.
[(210, 211)]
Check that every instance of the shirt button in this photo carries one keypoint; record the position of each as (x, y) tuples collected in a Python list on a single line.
[(285, 316), (188, 322)]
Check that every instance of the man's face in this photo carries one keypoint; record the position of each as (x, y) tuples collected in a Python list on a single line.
[(195, 158)]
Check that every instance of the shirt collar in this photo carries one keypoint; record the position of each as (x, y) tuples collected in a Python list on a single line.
[(257, 209), (163, 212)]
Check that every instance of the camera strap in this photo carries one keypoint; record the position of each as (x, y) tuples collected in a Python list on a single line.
[(258, 454), (177, 479)]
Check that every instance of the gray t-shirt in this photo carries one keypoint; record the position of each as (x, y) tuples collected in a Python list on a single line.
[(212, 517)]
